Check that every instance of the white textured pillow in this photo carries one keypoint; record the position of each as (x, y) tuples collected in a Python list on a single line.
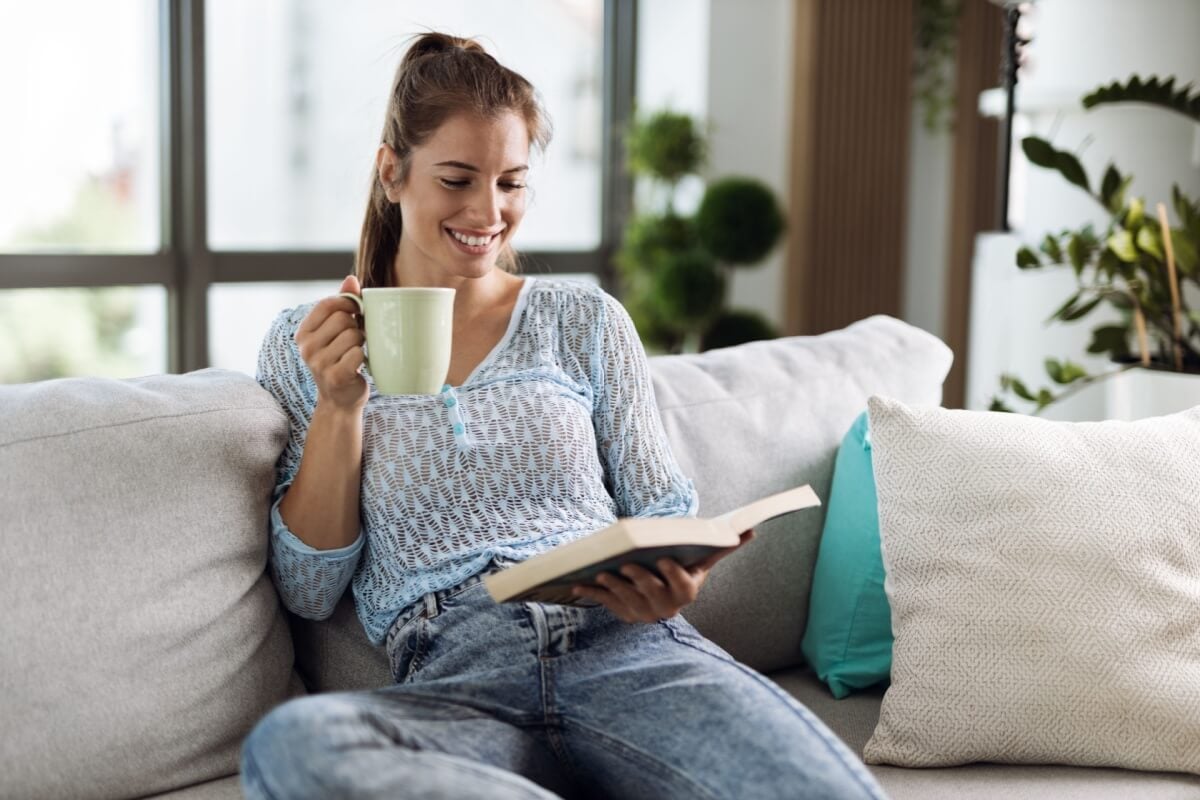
[(1044, 580)]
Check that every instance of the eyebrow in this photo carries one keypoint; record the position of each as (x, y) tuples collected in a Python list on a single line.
[(473, 168)]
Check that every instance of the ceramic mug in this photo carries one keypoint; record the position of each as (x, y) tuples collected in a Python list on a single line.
[(408, 331)]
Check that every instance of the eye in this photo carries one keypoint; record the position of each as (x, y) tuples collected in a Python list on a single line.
[(449, 184), (513, 187)]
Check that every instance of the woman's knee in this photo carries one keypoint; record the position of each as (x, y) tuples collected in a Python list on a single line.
[(295, 732)]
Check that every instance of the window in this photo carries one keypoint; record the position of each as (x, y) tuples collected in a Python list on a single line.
[(206, 164)]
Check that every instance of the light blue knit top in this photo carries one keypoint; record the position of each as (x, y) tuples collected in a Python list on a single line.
[(554, 435)]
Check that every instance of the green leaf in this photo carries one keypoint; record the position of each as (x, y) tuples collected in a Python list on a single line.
[(998, 405), (1081, 311), (1064, 372), (1044, 398), (1109, 265), (1112, 190), (1186, 259), (1148, 241), (1071, 169), (1050, 247), (1065, 307), (1054, 369), (1079, 252), (1187, 211), (1136, 214), (1153, 91), (1027, 259), (1121, 243), (1038, 151), (1111, 339), (1020, 390), (1043, 154)]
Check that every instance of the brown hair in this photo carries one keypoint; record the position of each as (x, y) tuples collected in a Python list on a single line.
[(439, 76)]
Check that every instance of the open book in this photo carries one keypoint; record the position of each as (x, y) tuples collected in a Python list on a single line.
[(548, 577)]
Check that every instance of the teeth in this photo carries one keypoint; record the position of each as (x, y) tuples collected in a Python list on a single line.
[(473, 241)]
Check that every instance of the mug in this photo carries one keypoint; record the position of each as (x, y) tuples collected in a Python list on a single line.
[(408, 331)]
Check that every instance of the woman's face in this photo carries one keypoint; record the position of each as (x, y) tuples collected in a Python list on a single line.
[(464, 196)]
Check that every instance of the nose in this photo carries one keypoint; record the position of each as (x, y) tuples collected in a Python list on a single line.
[(486, 207)]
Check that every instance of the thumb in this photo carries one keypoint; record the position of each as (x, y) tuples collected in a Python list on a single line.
[(350, 284)]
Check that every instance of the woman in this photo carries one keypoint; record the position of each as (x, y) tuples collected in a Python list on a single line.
[(546, 430)]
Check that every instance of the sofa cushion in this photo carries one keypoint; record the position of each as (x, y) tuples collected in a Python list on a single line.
[(755, 419), (142, 637), (1044, 581)]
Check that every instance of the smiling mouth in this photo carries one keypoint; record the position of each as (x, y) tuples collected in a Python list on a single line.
[(475, 245)]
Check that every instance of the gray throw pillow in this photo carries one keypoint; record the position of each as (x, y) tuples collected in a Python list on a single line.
[(755, 419), (141, 637)]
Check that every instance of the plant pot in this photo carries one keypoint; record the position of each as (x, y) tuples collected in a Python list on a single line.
[(1150, 392)]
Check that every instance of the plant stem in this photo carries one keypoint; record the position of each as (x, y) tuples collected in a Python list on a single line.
[(1082, 383)]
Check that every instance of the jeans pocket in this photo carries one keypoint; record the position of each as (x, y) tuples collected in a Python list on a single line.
[(408, 647)]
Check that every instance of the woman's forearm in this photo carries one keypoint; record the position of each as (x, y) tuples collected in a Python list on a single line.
[(321, 507)]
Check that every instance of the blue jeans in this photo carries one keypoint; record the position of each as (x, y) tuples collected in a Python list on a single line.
[(532, 700)]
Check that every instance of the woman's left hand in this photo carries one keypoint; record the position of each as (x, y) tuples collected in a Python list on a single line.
[(642, 596)]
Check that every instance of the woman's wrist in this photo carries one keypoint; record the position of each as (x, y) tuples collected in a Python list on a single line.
[(335, 413)]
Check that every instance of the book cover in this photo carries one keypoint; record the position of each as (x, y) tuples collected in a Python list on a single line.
[(548, 577)]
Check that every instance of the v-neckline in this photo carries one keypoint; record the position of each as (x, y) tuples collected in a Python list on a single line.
[(513, 321)]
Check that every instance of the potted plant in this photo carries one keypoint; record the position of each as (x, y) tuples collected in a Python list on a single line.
[(1139, 265), (674, 269)]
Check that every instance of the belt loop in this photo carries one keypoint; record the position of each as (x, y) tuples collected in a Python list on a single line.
[(431, 606)]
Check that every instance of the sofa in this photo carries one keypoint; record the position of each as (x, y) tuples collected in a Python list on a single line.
[(143, 638)]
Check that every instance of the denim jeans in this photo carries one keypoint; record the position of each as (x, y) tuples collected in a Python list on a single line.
[(533, 700)]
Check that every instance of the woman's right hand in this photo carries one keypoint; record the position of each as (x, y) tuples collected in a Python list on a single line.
[(330, 343)]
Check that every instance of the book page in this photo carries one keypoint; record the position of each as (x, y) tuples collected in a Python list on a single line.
[(751, 514)]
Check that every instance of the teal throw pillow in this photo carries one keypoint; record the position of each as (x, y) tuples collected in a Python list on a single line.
[(848, 641)]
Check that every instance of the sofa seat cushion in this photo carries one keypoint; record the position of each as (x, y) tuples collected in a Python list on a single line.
[(854, 719), (142, 637), (227, 788)]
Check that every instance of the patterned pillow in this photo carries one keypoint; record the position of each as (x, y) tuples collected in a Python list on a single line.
[(1044, 580)]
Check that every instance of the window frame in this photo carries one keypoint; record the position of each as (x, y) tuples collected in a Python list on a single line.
[(185, 265)]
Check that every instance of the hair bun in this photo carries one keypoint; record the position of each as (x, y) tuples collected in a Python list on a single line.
[(431, 43)]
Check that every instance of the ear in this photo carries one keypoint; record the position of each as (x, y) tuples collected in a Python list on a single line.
[(387, 163)]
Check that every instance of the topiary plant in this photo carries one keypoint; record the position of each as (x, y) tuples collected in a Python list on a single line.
[(673, 269)]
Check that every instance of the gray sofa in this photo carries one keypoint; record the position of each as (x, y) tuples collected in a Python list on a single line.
[(143, 639)]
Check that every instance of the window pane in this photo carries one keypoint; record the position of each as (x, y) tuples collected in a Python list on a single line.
[(297, 91), (114, 332), (240, 313), (79, 150)]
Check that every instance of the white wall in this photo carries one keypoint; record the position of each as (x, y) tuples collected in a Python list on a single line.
[(749, 105), (928, 228)]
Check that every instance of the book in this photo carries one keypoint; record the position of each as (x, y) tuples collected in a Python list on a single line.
[(548, 577)]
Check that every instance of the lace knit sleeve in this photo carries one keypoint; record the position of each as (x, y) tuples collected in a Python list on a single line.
[(309, 580), (645, 480)]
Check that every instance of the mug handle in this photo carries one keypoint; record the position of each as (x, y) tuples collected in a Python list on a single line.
[(361, 313)]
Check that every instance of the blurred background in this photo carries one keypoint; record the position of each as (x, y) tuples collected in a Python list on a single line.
[(174, 173)]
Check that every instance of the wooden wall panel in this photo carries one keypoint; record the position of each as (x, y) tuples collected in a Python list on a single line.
[(974, 192), (849, 170)]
